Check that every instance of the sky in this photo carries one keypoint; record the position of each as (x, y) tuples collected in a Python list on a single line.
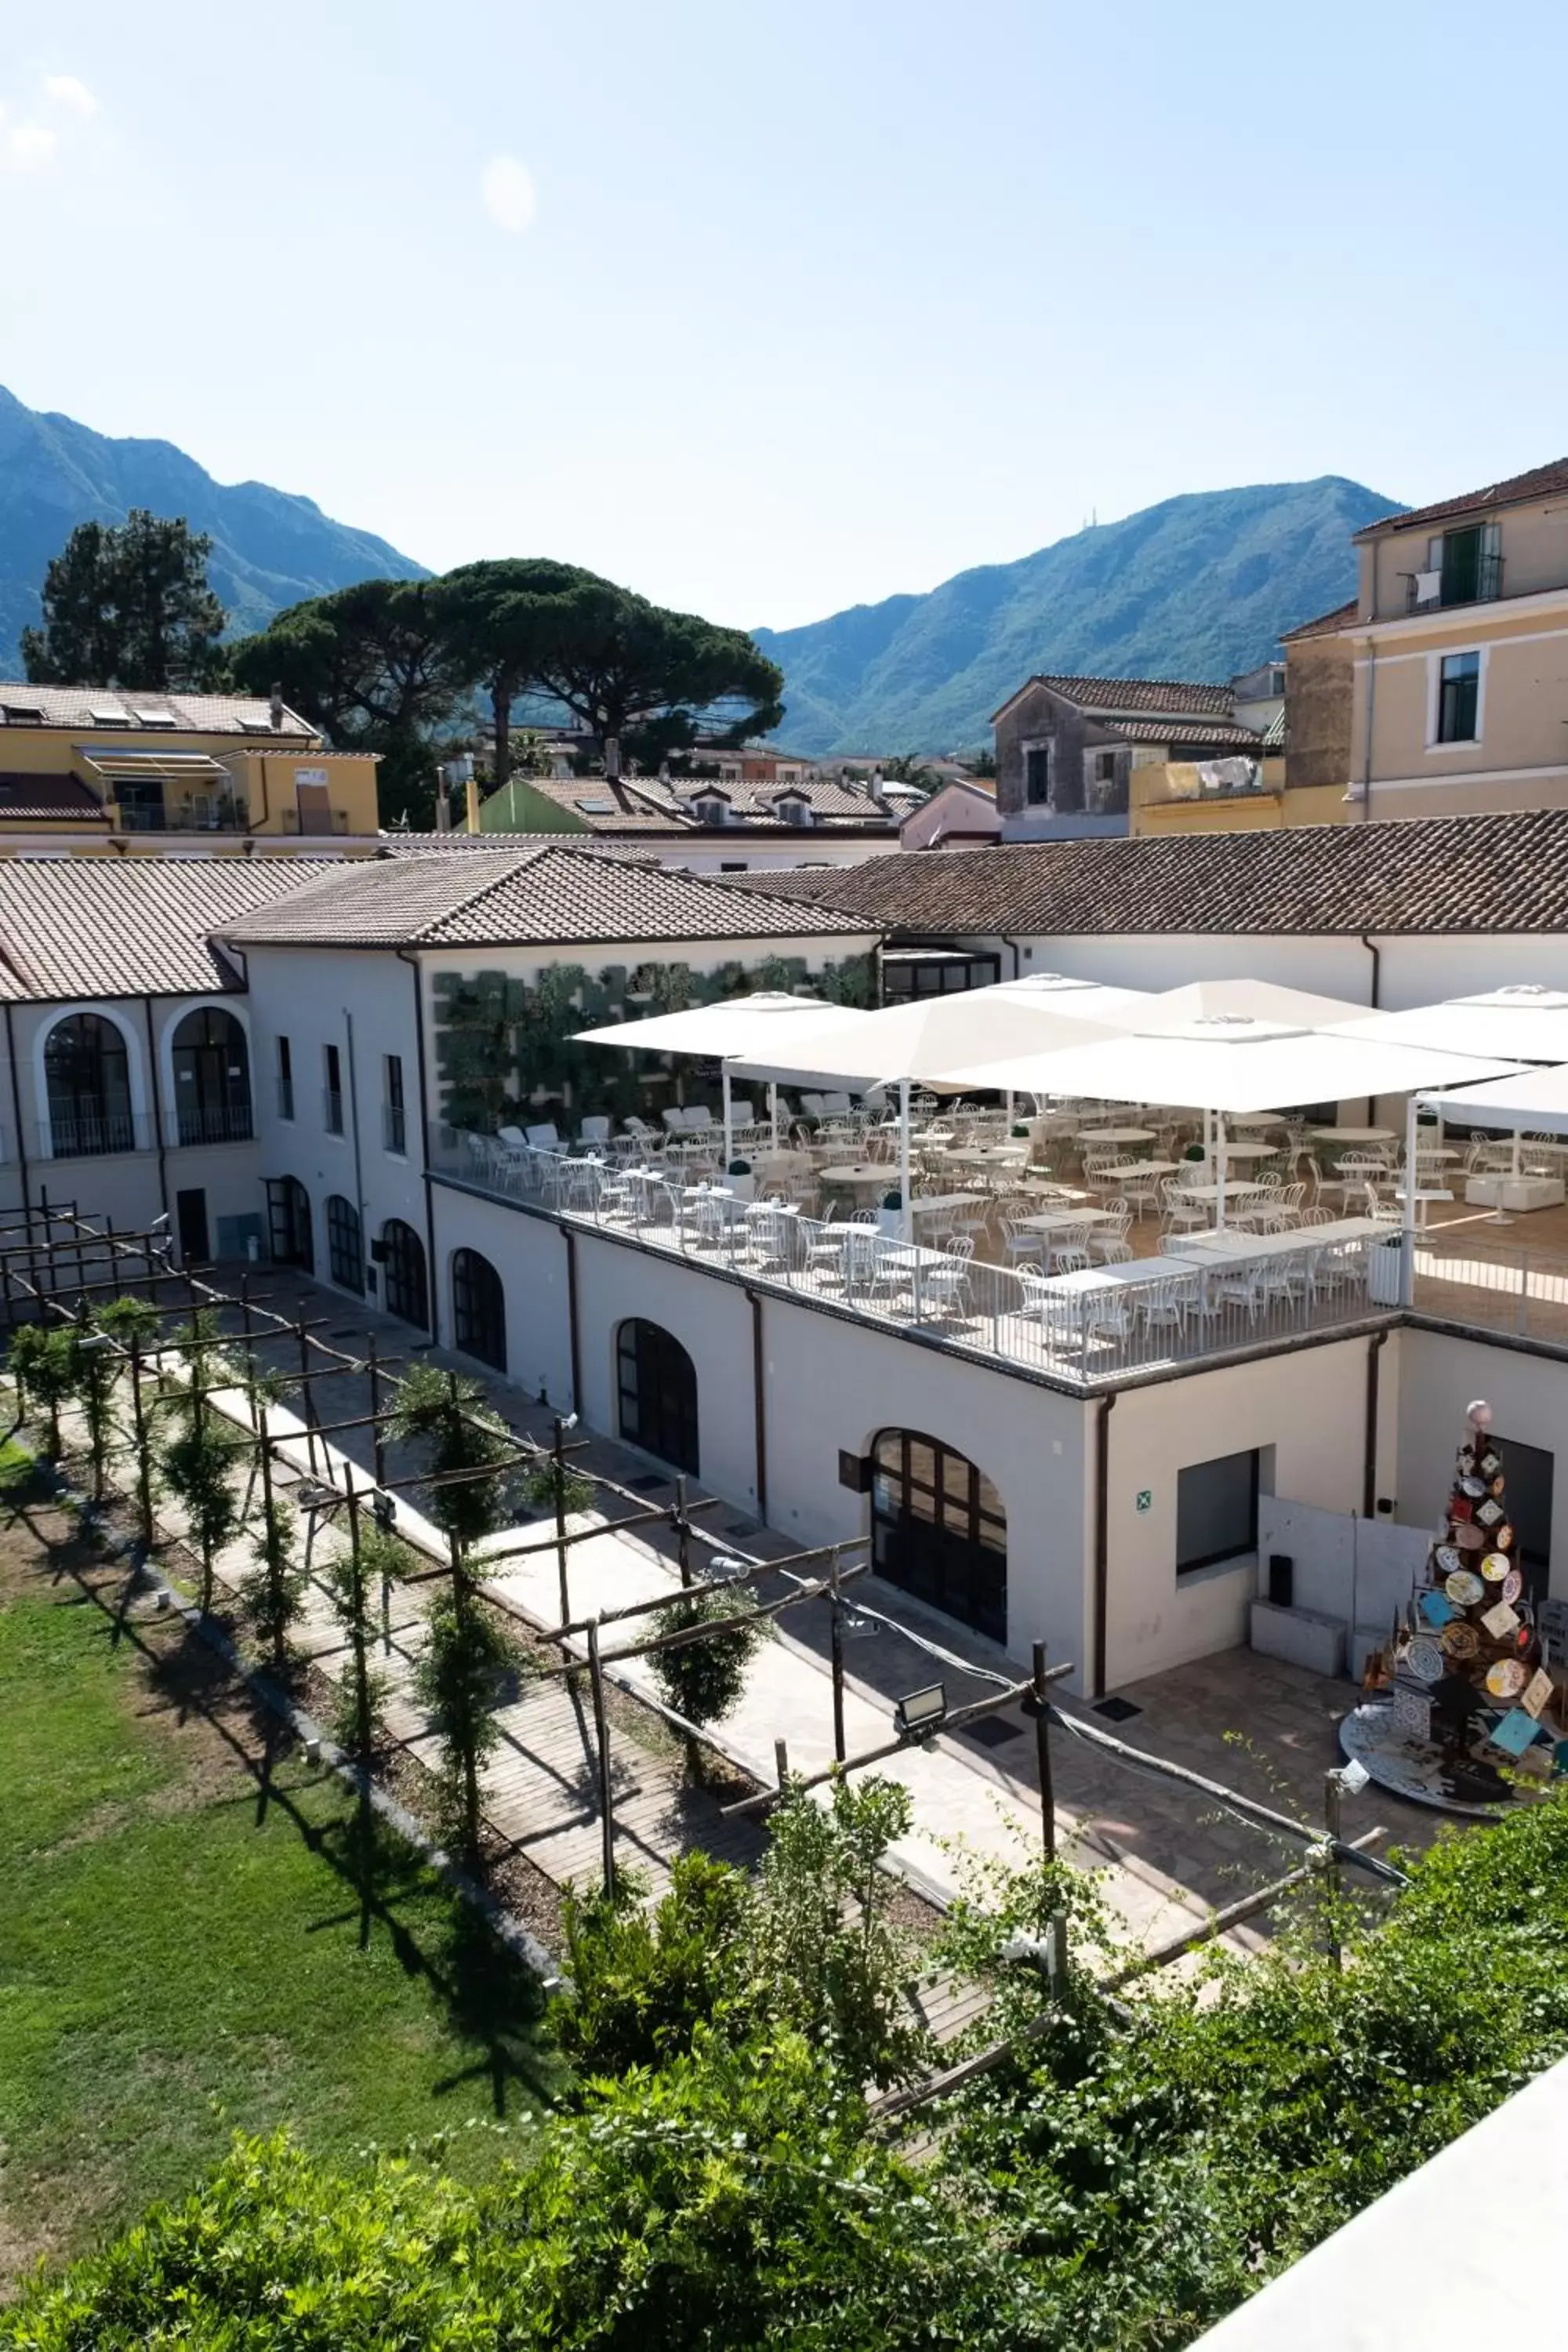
[(770, 307)]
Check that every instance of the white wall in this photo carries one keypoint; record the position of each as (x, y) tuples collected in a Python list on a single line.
[(530, 1255), (1438, 1377), (1412, 970), (1309, 1407)]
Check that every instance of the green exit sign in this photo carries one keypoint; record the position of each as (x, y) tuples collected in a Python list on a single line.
[(1145, 1498)]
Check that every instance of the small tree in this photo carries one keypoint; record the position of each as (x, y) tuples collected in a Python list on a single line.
[(825, 1954), (705, 1679), (43, 1365), (99, 1345), (199, 1461), (371, 1558), (467, 1651), (453, 1418), (644, 1979), (274, 1596)]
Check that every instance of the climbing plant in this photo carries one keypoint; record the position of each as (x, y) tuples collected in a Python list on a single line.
[(505, 1047)]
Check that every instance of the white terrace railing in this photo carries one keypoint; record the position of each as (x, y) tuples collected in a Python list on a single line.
[(1087, 1328)]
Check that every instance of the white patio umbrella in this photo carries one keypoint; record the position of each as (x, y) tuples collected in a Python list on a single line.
[(911, 1043), (1230, 1064), (739, 1024), (1537, 1097), (1523, 1023), (1081, 1000), (1252, 999)]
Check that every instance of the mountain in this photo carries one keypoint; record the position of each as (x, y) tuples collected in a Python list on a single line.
[(269, 547), (1198, 587)]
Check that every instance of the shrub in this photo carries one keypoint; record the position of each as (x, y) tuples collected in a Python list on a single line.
[(646, 1980)]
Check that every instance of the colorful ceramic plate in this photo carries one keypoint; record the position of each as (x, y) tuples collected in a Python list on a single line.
[(1496, 1485), (1463, 1588), (1489, 1513), (1423, 1659), (1461, 1641), (1460, 1509), (1494, 1568), (1435, 1607), (1507, 1678), (1488, 1464), (1504, 1539), (1447, 1559), (1470, 1538), (1513, 1586), (1474, 1487), (1466, 1460)]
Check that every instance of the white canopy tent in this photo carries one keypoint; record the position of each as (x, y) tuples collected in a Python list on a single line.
[(1523, 1023), (739, 1024), (1229, 1064), (912, 1043)]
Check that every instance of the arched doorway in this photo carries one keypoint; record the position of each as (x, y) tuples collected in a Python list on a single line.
[(212, 1077), (655, 1382), (407, 1282), (939, 1530), (345, 1248), (479, 1309), (86, 1077), (288, 1223)]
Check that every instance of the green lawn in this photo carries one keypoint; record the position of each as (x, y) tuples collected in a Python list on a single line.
[(182, 1953)]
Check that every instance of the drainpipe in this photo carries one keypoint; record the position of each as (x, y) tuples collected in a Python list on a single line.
[(1101, 1542), (1366, 733), (157, 1107), (759, 1405), (404, 955), (574, 1341), (1369, 1474), (17, 1102), (1375, 952), (1013, 945), (360, 1201)]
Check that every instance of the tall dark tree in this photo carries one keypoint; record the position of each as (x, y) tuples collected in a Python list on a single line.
[(129, 606), (641, 678), (373, 666), (500, 623)]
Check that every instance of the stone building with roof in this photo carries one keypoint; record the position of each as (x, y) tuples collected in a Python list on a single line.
[(1075, 756), (105, 770)]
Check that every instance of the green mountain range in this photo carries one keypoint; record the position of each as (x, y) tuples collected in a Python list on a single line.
[(1198, 587), (269, 547)]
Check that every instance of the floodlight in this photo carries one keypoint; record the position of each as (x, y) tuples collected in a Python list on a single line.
[(921, 1711), (384, 1510)]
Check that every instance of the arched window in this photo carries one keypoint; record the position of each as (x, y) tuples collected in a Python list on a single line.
[(289, 1222), (938, 1530), (657, 1383), (87, 1073), (212, 1078), (479, 1309), (408, 1285), (345, 1250)]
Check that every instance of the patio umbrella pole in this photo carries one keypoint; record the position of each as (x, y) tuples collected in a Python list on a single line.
[(906, 1214), (1219, 1171), (773, 1113), (729, 1152)]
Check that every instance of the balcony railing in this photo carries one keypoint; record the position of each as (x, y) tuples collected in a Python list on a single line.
[(186, 817), (213, 1123), (1476, 583), (327, 821), (1082, 1335), (92, 1135)]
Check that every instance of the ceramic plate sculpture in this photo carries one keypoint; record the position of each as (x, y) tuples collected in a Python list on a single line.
[(1463, 1588), (1473, 1489), (1447, 1559), (1423, 1659), (1470, 1538), (1494, 1568), (1513, 1586), (1461, 1641), (1507, 1678)]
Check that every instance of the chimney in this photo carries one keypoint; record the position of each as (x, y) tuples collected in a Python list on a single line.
[(473, 806), (277, 708), (874, 786), (443, 803)]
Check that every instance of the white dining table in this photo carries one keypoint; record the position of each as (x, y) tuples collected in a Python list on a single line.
[(859, 1173), (1116, 1135), (1051, 1220), (1354, 1135), (1231, 1242), (1244, 1149), (1242, 1190), (929, 1204)]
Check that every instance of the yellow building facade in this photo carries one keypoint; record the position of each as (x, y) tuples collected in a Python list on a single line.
[(109, 772)]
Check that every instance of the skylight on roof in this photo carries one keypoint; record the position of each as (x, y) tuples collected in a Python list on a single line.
[(596, 808), (24, 714), (153, 718), (109, 714)]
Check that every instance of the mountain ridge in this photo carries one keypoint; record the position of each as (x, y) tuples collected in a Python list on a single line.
[(1197, 586), (271, 548)]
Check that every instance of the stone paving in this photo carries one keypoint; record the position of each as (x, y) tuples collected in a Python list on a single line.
[(1171, 1853)]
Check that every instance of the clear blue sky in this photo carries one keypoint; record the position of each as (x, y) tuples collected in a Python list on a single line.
[(769, 309)]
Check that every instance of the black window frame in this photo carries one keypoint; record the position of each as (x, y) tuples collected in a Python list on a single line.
[(1458, 698), (393, 1106), (406, 1273), (87, 1087), (939, 1555), (1242, 1549), (1037, 785), (333, 1090), (657, 1401), (285, 1079), (345, 1244), (479, 1309), (209, 1055)]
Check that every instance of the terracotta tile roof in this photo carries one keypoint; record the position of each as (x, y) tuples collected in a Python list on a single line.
[(1541, 482), (1133, 695), (1212, 734), (1326, 624), (1405, 876), (198, 714), (547, 896), (55, 799), (112, 926), (493, 845), (613, 806)]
